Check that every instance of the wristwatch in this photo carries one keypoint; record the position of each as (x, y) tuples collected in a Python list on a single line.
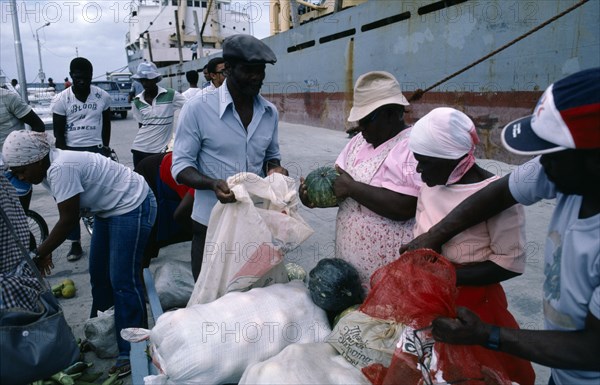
[(493, 341)]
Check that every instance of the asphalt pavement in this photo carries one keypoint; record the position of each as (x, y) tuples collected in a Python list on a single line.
[(303, 149)]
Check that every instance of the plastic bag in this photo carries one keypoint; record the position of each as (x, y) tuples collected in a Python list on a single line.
[(246, 241), (174, 284), (363, 340), (100, 333)]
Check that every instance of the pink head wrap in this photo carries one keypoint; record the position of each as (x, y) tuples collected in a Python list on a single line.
[(446, 133)]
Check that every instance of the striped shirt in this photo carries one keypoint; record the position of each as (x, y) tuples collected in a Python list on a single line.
[(156, 120)]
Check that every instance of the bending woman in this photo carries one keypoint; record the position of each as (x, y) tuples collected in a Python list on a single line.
[(443, 143), (124, 211)]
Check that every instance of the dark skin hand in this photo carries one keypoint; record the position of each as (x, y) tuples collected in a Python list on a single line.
[(384, 202), (183, 212), (578, 350), (34, 121), (491, 200), (482, 273), (68, 217), (387, 203), (68, 212), (106, 128), (192, 178), (60, 125)]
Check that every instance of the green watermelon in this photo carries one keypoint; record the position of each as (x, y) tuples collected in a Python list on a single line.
[(334, 285), (319, 186)]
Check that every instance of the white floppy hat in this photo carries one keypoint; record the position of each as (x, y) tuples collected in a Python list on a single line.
[(373, 90), (147, 70)]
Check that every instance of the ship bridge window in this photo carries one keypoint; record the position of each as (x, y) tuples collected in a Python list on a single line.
[(336, 36), (387, 21), (438, 5)]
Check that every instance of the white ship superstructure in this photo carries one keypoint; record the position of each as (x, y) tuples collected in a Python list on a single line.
[(163, 31)]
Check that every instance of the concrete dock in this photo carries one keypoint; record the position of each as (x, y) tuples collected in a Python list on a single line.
[(303, 149)]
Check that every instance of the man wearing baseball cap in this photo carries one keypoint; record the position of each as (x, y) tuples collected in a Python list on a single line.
[(565, 130), (225, 131)]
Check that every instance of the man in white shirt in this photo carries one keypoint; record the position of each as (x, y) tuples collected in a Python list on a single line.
[(192, 78), (81, 119)]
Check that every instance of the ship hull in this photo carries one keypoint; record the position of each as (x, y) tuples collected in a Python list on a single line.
[(318, 62)]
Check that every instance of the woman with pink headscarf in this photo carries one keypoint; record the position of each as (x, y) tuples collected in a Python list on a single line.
[(443, 143)]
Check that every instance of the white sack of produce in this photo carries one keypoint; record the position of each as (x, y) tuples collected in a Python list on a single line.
[(100, 333), (246, 241), (174, 283), (214, 343), (316, 363)]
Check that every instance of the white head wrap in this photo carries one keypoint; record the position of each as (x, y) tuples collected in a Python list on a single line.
[(446, 133), (24, 147)]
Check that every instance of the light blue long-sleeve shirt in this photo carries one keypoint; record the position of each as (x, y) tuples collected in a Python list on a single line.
[(211, 138)]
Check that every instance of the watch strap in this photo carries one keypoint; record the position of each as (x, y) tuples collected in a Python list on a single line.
[(493, 341)]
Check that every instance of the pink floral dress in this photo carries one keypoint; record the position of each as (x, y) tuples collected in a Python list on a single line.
[(364, 238)]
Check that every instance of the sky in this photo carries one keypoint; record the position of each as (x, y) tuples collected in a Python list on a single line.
[(91, 29)]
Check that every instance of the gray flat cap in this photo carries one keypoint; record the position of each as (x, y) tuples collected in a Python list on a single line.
[(247, 48)]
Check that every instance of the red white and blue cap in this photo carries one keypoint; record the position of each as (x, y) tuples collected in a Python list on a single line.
[(567, 116)]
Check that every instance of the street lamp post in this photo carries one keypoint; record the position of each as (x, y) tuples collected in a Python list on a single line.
[(41, 73)]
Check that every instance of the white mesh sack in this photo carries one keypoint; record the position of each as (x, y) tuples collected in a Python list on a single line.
[(213, 343), (306, 364)]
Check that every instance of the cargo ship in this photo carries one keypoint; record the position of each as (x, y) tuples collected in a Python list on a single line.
[(491, 59)]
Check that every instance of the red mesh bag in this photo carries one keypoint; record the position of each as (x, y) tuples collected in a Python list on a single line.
[(414, 290)]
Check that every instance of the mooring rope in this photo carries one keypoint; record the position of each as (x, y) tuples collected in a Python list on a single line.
[(419, 92)]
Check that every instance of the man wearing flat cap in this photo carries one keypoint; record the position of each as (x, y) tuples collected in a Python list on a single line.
[(154, 109), (228, 130)]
